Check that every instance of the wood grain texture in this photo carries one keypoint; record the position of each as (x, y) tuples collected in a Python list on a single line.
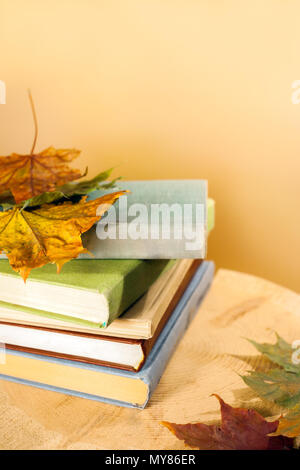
[(208, 360)]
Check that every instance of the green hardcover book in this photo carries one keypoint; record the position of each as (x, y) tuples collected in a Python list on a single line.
[(90, 292)]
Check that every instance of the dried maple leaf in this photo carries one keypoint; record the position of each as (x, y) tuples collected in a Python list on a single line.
[(72, 190), (289, 424), (240, 429), (280, 385), (277, 385), (280, 353), (49, 234), (26, 176), (87, 186)]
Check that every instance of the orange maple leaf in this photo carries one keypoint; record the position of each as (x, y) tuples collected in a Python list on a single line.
[(26, 176), (49, 234)]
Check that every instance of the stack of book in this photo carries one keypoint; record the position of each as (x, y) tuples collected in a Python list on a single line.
[(102, 329)]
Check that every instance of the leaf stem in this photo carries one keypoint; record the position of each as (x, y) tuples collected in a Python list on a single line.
[(36, 129)]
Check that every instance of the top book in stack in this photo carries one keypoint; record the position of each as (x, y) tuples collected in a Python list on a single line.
[(166, 219)]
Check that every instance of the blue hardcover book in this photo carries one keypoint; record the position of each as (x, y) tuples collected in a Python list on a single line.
[(106, 384)]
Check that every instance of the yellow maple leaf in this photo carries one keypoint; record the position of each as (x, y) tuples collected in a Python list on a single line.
[(49, 234)]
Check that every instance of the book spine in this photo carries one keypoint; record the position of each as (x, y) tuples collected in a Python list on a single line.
[(148, 344), (176, 326)]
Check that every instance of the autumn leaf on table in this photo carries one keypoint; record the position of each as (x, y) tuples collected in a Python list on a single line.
[(49, 234), (240, 429), (280, 384), (289, 424)]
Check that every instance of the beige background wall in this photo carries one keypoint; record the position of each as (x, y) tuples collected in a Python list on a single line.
[(171, 89)]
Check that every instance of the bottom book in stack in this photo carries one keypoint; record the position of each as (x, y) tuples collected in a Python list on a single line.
[(128, 382)]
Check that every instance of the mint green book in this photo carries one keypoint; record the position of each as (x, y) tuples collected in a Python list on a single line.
[(89, 292), (174, 218)]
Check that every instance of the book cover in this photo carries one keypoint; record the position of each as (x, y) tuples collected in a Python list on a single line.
[(139, 321), (157, 202)]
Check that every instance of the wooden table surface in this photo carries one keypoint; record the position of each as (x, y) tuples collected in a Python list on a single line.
[(208, 360)]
